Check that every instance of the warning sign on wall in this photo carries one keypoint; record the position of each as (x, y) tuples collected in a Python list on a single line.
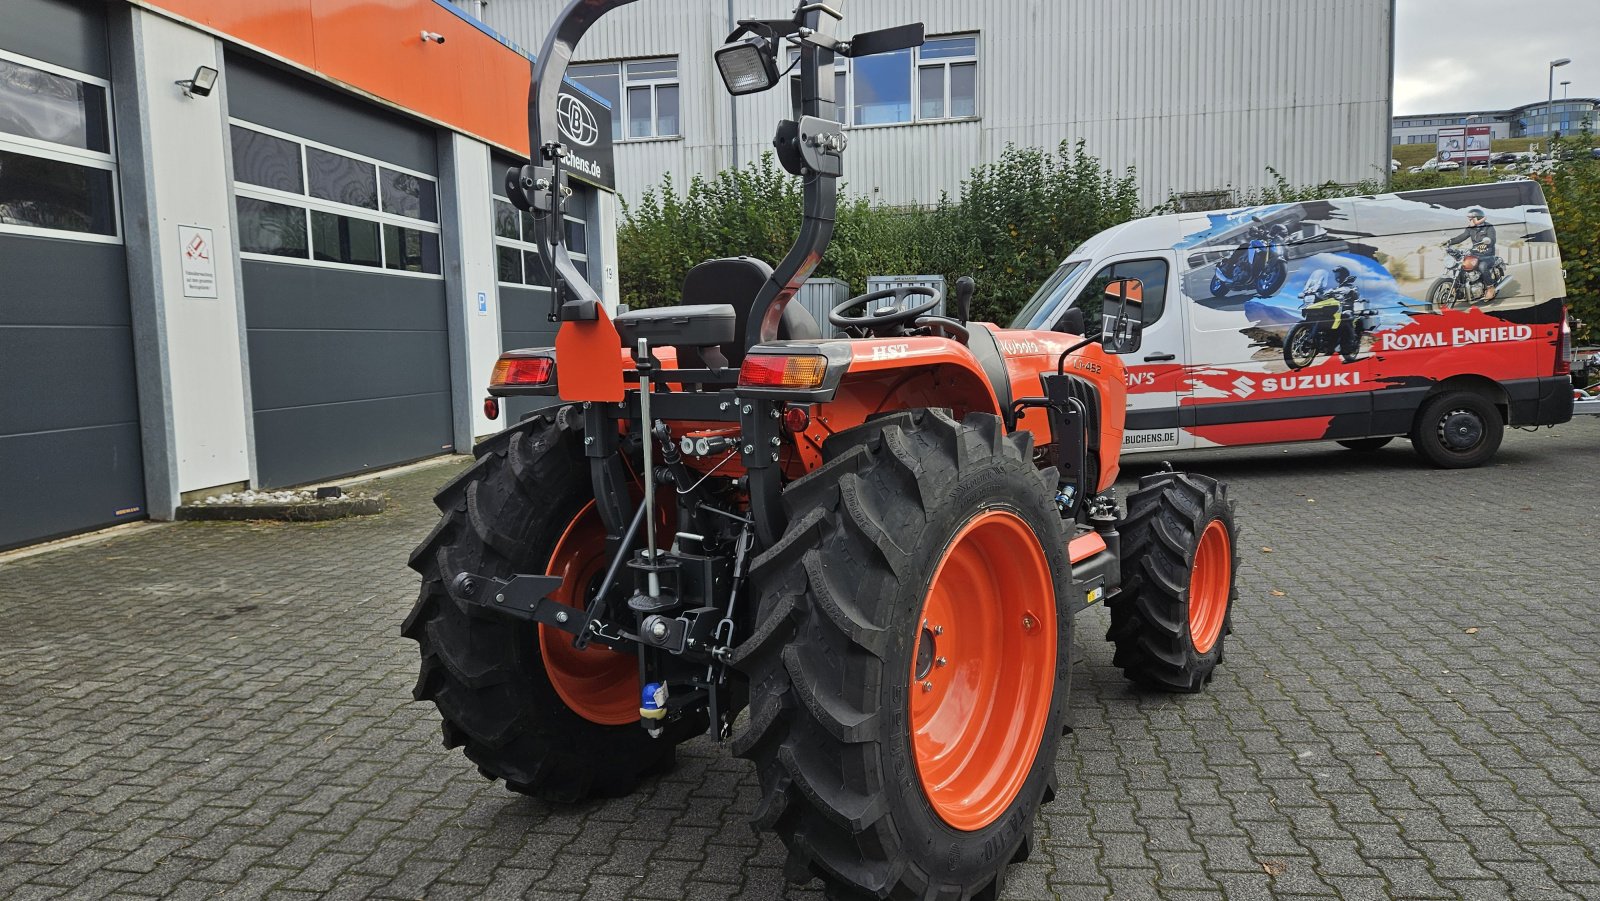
[(199, 262)]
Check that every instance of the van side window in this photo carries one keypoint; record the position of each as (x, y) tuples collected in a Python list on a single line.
[(1153, 273)]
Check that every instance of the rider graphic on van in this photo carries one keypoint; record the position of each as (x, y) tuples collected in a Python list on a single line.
[(1331, 321), (1480, 238)]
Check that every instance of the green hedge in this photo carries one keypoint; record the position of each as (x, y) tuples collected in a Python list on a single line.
[(1013, 222), (1010, 225)]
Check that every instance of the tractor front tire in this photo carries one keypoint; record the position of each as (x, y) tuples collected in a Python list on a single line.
[(527, 507), (1179, 569), (909, 666)]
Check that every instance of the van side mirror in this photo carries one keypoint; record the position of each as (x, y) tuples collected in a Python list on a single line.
[(1124, 319), (1072, 322)]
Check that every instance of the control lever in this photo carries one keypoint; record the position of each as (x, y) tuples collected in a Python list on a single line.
[(965, 287)]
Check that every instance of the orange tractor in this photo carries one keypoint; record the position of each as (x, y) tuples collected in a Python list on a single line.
[(871, 547)]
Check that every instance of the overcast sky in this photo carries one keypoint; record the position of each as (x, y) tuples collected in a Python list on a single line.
[(1456, 55)]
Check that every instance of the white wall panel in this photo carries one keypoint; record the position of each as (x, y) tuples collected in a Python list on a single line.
[(1199, 95), (189, 187)]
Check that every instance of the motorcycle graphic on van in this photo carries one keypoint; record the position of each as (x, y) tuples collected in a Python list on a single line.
[(1476, 271), (1258, 265), (1334, 319), (1466, 280)]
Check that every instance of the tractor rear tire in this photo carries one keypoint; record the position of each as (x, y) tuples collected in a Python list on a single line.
[(489, 676), (924, 557), (1179, 574)]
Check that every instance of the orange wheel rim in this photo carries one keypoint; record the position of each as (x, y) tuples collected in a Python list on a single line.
[(983, 673), (599, 684), (1210, 583)]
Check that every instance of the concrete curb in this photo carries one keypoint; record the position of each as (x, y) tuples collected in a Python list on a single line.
[(316, 511)]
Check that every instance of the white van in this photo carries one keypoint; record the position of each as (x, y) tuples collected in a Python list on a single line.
[(1356, 320)]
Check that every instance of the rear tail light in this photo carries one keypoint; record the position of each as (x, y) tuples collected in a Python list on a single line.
[(522, 372), (1564, 348), (801, 372)]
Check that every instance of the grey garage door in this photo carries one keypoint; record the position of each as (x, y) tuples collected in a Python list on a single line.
[(344, 297), (69, 426)]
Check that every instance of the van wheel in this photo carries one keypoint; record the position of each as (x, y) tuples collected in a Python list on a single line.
[(1458, 430), (1364, 445)]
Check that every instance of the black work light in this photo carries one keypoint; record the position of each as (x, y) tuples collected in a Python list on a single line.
[(748, 65), (205, 78)]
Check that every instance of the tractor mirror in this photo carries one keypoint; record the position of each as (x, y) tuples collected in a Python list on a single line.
[(1124, 319)]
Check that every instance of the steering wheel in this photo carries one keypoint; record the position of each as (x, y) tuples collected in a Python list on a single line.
[(869, 323)]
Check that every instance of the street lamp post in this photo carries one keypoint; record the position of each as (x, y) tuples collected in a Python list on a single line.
[(1549, 111)]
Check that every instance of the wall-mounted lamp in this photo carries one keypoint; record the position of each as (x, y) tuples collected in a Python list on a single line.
[(205, 78), (433, 37)]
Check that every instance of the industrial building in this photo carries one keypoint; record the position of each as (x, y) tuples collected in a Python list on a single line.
[(1535, 121), (1200, 97), (256, 245), (265, 244)]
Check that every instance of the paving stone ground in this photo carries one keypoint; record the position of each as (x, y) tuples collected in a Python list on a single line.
[(1408, 709)]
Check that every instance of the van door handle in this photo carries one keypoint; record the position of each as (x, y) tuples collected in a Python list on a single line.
[(1159, 358)]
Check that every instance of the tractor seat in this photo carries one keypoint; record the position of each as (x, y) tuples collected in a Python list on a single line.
[(696, 326), (735, 282)]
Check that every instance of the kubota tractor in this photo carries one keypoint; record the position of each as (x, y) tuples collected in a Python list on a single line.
[(872, 546)]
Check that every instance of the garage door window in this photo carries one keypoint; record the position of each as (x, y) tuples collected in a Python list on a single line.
[(57, 169), (517, 256), (300, 200)]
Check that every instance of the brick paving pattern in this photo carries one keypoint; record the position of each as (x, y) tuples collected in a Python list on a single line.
[(1408, 709)]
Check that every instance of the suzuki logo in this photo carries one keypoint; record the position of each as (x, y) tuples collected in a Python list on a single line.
[(1244, 386), (576, 122)]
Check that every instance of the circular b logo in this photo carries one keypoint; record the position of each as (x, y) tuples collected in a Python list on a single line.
[(577, 123)]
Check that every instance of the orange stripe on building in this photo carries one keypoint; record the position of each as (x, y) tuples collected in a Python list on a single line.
[(472, 82)]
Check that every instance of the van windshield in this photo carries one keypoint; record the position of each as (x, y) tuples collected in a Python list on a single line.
[(1047, 304)]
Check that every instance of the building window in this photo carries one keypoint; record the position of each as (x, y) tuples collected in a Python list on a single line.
[(648, 108), (57, 167), (300, 200), (936, 82), (947, 78), (880, 89)]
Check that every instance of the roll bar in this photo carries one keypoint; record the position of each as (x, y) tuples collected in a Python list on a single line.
[(541, 186), (811, 146)]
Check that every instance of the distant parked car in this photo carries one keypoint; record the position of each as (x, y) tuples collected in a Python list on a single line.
[(1394, 165), (1504, 156), (1447, 166), (1594, 152)]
